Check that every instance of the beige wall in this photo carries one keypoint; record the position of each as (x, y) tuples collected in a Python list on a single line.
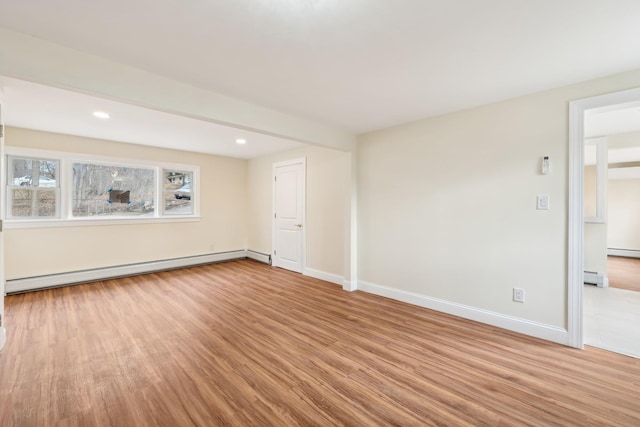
[(326, 198), (624, 214), (34, 252), (447, 205)]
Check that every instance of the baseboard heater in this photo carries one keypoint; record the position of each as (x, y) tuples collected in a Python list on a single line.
[(629, 253), (27, 284), (595, 278)]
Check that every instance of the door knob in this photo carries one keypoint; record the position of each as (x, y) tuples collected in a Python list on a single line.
[(299, 225)]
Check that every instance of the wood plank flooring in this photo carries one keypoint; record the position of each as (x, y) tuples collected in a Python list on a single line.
[(245, 344), (624, 273)]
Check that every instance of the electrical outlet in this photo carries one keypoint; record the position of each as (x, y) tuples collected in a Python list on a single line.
[(212, 247), (518, 294)]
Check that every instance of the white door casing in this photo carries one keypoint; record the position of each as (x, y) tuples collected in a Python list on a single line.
[(288, 214), (575, 254)]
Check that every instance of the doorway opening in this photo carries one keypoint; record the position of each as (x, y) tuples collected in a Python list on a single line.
[(582, 301), (612, 228)]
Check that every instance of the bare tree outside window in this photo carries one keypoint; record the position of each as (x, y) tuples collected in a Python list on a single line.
[(108, 190), (66, 189)]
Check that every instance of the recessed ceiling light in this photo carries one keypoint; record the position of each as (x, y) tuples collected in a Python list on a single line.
[(101, 115), (241, 141)]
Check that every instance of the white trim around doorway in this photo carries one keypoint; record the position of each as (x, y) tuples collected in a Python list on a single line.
[(575, 279)]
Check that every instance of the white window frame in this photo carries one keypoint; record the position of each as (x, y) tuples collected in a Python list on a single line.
[(65, 192), (10, 185), (162, 191)]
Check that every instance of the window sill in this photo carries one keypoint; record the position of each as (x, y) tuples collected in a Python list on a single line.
[(92, 222)]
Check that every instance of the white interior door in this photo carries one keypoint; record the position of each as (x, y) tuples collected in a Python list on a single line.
[(3, 331), (288, 214)]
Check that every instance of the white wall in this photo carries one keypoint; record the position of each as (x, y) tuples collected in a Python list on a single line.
[(595, 234), (623, 140), (595, 247), (624, 214), (624, 199), (326, 197), (447, 205), (40, 251)]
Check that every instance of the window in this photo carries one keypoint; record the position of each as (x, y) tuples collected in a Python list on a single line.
[(49, 189), (177, 192), (33, 188), (110, 190)]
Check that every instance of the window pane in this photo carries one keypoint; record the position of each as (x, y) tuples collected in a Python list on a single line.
[(34, 172), (107, 190), (21, 202), (178, 193), (33, 203)]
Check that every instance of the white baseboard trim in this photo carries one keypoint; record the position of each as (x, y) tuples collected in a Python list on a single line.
[(84, 276), (523, 326), (594, 278), (623, 252), (350, 285), (259, 256), (3, 337), (322, 275)]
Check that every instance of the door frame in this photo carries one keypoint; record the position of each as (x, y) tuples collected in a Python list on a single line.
[(575, 257), (292, 162)]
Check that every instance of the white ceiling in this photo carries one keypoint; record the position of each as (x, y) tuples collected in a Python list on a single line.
[(615, 119), (357, 64), (34, 106)]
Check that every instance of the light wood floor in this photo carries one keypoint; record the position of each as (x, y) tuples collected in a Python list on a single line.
[(245, 344), (624, 273)]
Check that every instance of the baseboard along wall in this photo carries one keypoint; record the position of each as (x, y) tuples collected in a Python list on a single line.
[(628, 253), (535, 329), (515, 324), (84, 276), (322, 275)]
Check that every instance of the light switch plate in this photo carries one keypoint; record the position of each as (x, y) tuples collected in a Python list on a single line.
[(543, 202), (545, 167)]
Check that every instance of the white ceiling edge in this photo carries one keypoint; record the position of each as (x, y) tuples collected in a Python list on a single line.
[(623, 155), (39, 107), (30, 59), (624, 173), (612, 120)]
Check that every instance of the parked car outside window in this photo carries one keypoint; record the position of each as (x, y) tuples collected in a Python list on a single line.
[(184, 192)]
